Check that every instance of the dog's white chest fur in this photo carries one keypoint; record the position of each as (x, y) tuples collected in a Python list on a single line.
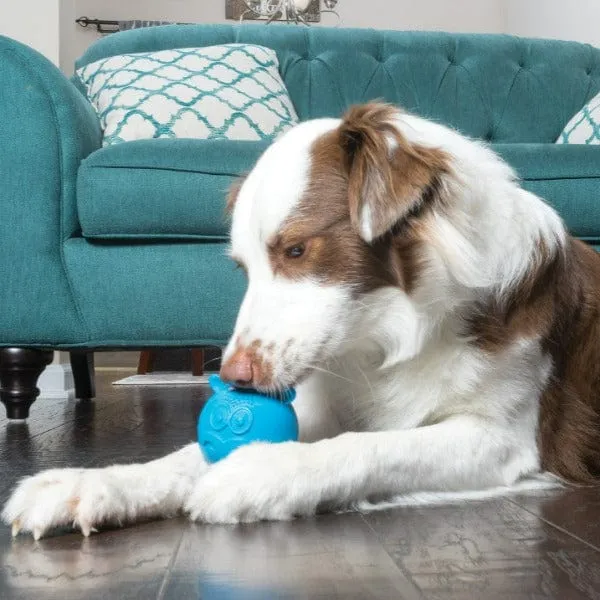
[(447, 378)]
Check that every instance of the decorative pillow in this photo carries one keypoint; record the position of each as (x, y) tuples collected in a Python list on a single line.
[(584, 127), (233, 91)]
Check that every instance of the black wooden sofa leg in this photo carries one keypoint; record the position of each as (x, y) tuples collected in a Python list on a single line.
[(19, 372), (82, 365)]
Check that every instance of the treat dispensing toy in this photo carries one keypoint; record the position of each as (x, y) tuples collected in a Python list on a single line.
[(234, 416)]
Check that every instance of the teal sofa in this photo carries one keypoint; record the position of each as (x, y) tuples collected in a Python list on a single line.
[(124, 246)]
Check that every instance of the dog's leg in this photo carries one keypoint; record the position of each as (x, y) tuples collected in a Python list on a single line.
[(88, 498), (280, 481), (119, 494)]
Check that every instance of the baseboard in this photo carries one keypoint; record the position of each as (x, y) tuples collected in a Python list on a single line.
[(57, 383)]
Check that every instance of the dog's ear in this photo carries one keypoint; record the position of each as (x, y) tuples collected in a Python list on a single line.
[(233, 193), (388, 176)]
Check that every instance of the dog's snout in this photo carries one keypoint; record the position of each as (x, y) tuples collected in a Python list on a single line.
[(238, 369), (249, 366)]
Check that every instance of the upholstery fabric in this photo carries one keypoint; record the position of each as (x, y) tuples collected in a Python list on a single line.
[(155, 294), (584, 127), (232, 91), (494, 87), (46, 129), (153, 189), (161, 188), (566, 176), (154, 270)]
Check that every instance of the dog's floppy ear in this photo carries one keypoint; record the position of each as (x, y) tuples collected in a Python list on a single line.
[(233, 193), (387, 175)]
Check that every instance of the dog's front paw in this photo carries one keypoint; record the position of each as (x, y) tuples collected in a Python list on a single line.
[(256, 482), (83, 498)]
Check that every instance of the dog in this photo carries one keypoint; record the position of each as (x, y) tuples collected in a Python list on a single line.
[(439, 323)]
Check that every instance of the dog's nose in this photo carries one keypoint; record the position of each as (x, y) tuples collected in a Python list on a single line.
[(238, 369)]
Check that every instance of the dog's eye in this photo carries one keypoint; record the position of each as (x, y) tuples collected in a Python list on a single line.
[(295, 251)]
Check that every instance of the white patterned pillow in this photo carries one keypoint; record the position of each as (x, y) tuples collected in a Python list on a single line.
[(584, 127), (233, 91)]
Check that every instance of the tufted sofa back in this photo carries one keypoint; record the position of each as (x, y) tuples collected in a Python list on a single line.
[(495, 87)]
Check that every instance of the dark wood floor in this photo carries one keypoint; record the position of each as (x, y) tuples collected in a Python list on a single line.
[(541, 546)]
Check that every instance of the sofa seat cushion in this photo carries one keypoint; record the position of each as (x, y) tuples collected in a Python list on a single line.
[(566, 176), (159, 188), (176, 188)]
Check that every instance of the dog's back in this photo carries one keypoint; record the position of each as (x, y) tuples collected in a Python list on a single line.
[(567, 299)]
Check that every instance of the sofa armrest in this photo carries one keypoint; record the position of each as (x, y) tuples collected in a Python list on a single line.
[(46, 129)]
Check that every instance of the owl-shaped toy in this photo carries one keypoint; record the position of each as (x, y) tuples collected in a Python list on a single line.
[(235, 416)]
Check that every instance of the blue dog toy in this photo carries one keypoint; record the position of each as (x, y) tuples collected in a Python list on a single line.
[(234, 416)]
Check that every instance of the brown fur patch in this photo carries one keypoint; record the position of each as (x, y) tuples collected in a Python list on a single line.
[(324, 222), (559, 301), (525, 311), (391, 185), (569, 428)]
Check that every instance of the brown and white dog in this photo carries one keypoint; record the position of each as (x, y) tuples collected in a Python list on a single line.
[(440, 325)]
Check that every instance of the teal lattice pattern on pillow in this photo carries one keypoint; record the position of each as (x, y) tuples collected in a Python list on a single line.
[(584, 127), (233, 91)]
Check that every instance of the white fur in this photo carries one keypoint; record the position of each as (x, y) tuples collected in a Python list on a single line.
[(397, 404), (303, 309), (366, 224)]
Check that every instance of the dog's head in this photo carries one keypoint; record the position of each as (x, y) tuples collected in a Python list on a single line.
[(330, 214)]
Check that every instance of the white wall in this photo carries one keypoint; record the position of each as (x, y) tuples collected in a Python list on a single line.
[(33, 22), (455, 15), (192, 11), (483, 16), (68, 32), (561, 19), (36, 22)]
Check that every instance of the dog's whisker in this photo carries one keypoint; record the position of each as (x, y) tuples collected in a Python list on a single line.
[(212, 360), (327, 372), (365, 377)]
